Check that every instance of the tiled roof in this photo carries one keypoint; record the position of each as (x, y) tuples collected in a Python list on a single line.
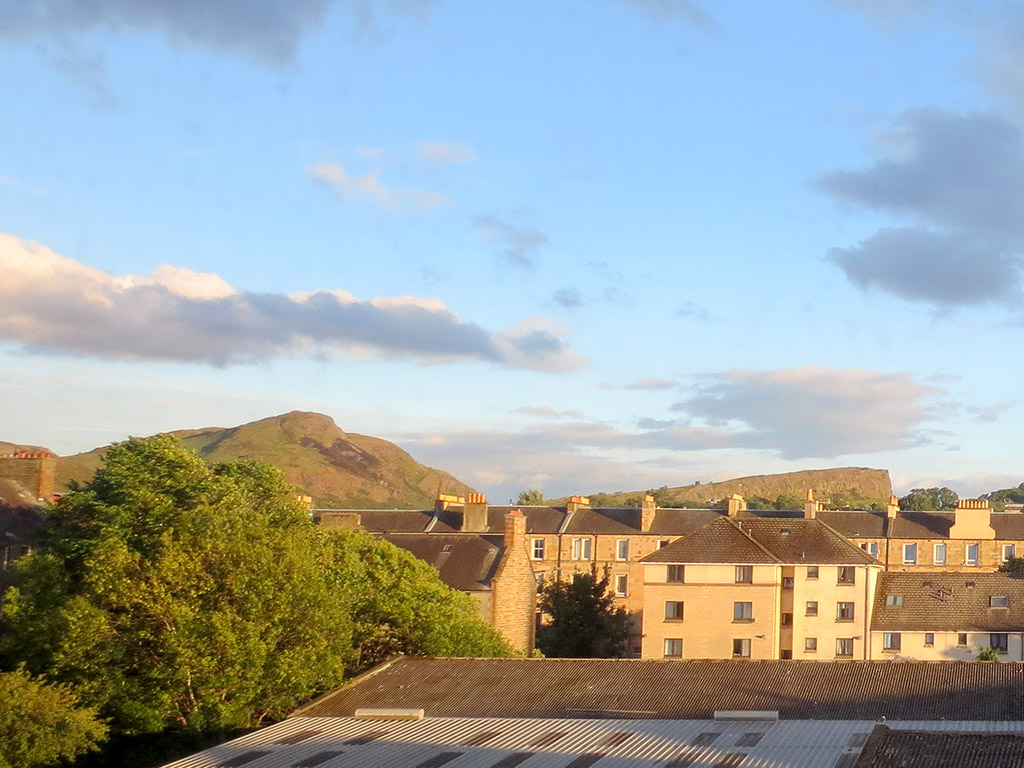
[(465, 562), (948, 602), (604, 520), (681, 522), (394, 520), (818, 690), (720, 541), (922, 525), (21, 516), (762, 540), (856, 523), (888, 747), (539, 520)]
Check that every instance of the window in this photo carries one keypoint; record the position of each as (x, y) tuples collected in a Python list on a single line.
[(785, 653), (998, 601), (891, 641), (998, 641), (812, 571), (744, 574), (929, 639), (621, 585), (787, 619), (581, 549), (894, 601), (673, 647), (871, 547), (673, 610), (540, 581), (538, 549), (810, 644), (939, 554), (675, 574), (846, 574), (961, 639), (844, 611), (662, 543), (910, 554), (743, 612), (622, 549), (812, 607), (844, 646), (741, 649), (971, 555), (1009, 550), (787, 582)]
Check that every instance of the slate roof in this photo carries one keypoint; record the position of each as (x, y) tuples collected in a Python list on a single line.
[(663, 689), (604, 520), (681, 522), (539, 520), (21, 515), (755, 540), (922, 525), (856, 523), (465, 562), (393, 520), (948, 602), (888, 747)]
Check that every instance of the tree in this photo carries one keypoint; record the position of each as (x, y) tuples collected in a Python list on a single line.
[(583, 620), (399, 605), (172, 594), (41, 724), (924, 499), (530, 498), (1014, 565)]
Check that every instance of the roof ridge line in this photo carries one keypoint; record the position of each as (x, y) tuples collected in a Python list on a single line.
[(738, 526)]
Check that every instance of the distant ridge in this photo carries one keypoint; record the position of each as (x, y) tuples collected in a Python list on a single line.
[(847, 485), (336, 468)]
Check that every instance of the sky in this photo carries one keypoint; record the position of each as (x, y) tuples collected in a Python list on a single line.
[(585, 246)]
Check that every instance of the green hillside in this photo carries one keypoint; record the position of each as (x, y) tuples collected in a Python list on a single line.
[(336, 468)]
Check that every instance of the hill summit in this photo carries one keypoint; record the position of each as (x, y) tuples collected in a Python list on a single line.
[(336, 468)]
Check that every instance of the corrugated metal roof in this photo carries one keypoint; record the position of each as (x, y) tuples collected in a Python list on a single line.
[(535, 743), (943, 749), (636, 688)]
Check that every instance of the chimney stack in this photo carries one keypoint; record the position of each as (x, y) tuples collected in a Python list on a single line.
[(647, 511), (515, 530), (811, 507), (893, 508), (973, 520), (575, 502), (445, 500), (474, 513), (736, 504)]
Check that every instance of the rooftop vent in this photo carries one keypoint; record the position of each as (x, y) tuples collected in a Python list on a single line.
[(746, 714), (368, 713)]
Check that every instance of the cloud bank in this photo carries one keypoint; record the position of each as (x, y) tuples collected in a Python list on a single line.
[(957, 177), (51, 303)]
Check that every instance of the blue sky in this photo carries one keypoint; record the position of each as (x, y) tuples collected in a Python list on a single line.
[(584, 246)]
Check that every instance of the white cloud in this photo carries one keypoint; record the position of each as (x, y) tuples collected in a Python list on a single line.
[(53, 303), (369, 188), (518, 244), (445, 153)]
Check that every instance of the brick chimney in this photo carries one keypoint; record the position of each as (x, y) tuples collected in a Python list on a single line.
[(647, 511), (973, 520), (892, 509), (736, 504), (811, 507), (474, 513), (575, 502), (515, 530), (36, 472)]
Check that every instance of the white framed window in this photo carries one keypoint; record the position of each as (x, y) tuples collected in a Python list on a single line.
[(621, 585), (673, 610), (871, 547), (847, 574), (939, 554), (971, 554), (622, 549), (844, 646), (910, 554), (662, 543), (812, 608), (537, 552), (741, 648), (673, 647), (891, 641), (1009, 550), (582, 549), (998, 601)]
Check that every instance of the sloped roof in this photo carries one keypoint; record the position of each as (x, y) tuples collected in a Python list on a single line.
[(762, 540), (605, 520), (539, 520), (393, 520), (662, 689), (922, 525), (950, 602), (681, 522), (21, 515), (889, 747), (856, 523), (465, 562)]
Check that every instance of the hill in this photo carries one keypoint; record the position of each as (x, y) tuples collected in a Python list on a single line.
[(844, 487), (336, 468)]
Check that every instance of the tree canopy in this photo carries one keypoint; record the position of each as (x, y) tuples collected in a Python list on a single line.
[(530, 498), (172, 594), (582, 618), (924, 499)]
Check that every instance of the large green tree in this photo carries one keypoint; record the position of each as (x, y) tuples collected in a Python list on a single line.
[(42, 724), (581, 619), (172, 594), (929, 499)]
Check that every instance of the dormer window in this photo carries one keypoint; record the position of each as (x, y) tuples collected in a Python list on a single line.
[(894, 601)]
